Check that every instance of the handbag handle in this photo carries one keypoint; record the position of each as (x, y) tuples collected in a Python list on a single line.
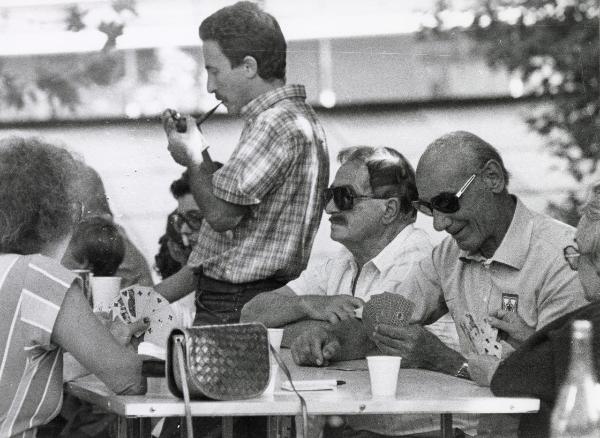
[(288, 375), (178, 340)]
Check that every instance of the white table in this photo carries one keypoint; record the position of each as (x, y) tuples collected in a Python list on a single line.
[(418, 391)]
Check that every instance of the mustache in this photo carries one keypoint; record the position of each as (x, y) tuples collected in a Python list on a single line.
[(338, 220)]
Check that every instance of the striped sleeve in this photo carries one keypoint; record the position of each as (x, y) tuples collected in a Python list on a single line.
[(43, 292)]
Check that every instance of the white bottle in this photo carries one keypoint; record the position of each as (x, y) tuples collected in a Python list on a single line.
[(576, 412)]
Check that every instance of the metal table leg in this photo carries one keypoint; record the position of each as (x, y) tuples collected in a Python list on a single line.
[(227, 423), (446, 429)]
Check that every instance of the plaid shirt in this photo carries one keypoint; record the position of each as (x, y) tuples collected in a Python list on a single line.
[(279, 169)]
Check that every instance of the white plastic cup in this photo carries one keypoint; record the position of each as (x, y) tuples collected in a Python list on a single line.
[(104, 291), (275, 336), (383, 372)]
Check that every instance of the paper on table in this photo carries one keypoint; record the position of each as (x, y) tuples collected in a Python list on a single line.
[(311, 385), (150, 349)]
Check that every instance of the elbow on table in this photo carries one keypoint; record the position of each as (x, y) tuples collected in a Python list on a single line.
[(250, 313)]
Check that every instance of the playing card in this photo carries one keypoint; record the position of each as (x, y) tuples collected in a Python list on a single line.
[(162, 321), (483, 337), (119, 311), (387, 308), (143, 296), (128, 296)]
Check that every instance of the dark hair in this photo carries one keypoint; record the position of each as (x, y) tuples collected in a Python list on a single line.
[(91, 191), (243, 29), (181, 186), (481, 151), (390, 173), (38, 200), (164, 263), (98, 241)]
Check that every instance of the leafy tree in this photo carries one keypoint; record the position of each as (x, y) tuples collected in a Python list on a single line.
[(61, 86), (553, 46)]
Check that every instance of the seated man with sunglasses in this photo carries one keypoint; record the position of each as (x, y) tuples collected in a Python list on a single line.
[(500, 255), (372, 216)]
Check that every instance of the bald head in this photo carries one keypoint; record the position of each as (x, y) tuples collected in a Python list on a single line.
[(457, 154)]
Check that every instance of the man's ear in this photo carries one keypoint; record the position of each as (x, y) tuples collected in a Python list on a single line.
[(494, 176), (392, 210), (250, 66)]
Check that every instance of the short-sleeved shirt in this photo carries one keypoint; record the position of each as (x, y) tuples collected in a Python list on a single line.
[(279, 169), (31, 367), (384, 273), (528, 264)]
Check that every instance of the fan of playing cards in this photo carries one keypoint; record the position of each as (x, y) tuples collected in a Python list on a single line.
[(387, 308), (136, 302)]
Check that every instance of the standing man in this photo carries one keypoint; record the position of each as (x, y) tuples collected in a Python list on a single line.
[(263, 207)]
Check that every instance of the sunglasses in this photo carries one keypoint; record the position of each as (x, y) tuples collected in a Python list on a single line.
[(445, 202), (572, 256), (193, 219), (343, 197)]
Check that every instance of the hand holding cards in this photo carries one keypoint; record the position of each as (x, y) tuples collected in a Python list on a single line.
[(483, 337), (387, 308), (136, 302)]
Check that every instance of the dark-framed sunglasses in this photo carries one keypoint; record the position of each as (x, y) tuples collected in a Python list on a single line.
[(572, 256), (343, 197), (445, 202), (193, 219)]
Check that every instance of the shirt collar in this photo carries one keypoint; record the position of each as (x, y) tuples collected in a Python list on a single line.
[(270, 98), (515, 245), (388, 255)]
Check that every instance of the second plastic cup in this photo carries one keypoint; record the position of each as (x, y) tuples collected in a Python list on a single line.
[(104, 292), (383, 372), (275, 336)]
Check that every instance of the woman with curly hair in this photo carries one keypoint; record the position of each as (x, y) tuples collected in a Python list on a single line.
[(43, 308)]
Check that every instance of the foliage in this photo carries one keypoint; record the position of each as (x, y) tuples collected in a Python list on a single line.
[(61, 87), (553, 46)]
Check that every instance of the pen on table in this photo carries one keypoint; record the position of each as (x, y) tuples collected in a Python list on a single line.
[(340, 382)]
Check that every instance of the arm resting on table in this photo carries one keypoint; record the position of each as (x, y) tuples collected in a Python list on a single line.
[(274, 309), (81, 333)]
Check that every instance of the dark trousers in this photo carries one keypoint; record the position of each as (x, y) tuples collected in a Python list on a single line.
[(221, 302)]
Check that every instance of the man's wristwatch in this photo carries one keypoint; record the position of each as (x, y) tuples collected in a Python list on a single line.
[(463, 371)]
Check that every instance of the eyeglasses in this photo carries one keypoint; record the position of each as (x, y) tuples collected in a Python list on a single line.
[(572, 256), (445, 202), (193, 218), (343, 197)]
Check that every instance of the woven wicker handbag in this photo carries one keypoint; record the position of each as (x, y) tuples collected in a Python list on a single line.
[(220, 362)]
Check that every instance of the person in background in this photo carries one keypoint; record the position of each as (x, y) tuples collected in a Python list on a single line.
[(39, 208), (263, 207), (497, 251), (96, 245), (134, 268), (372, 216), (539, 366)]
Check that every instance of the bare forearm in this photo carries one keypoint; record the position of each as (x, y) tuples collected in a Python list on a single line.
[(273, 309), (219, 214), (177, 285)]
